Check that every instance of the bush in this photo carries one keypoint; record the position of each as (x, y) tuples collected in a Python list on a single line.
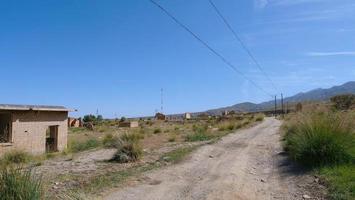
[(321, 139), (172, 138), (343, 102), (157, 130), (16, 157), (92, 119), (259, 117), (17, 184), (83, 146)]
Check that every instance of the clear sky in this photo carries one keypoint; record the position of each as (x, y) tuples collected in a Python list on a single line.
[(115, 55)]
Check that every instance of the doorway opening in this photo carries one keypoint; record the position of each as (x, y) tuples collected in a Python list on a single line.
[(52, 139), (5, 128)]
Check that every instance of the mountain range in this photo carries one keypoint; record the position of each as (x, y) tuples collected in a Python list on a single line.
[(313, 95)]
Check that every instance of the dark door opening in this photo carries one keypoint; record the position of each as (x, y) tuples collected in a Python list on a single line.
[(52, 139), (5, 128)]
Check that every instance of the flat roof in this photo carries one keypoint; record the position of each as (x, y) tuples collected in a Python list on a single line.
[(34, 107)]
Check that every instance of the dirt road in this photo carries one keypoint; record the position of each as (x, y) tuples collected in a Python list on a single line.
[(249, 164)]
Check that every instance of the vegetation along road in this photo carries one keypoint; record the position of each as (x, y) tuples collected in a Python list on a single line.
[(249, 164)]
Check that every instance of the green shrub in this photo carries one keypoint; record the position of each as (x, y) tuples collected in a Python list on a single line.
[(343, 102), (83, 146), (321, 139), (16, 157), (157, 130), (18, 184), (172, 138)]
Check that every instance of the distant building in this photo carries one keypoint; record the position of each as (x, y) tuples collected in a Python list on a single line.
[(160, 116), (129, 124), (187, 116), (73, 122), (204, 116), (225, 113), (33, 129)]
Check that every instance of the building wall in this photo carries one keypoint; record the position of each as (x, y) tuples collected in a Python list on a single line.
[(132, 124), (29, 131)]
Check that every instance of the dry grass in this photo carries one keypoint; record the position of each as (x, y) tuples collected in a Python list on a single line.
[(324, 139)]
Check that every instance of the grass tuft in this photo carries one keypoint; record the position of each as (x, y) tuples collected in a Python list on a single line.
[(109, 141), (75, 147), (340, 181), (200, 134), (128, 148), (16, 157), (17, 183), (321, 139), (177, 155)]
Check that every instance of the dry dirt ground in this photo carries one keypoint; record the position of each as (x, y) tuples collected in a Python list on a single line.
[(249, 164)]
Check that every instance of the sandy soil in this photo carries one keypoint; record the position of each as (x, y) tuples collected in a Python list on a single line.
[(249, 164)]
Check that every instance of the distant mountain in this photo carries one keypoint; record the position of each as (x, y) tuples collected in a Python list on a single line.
[(313, 95)]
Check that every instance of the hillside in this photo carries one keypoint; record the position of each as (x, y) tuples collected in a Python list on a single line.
[(313, 95)]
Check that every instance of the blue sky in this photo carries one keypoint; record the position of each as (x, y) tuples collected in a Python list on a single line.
[(115, 55)]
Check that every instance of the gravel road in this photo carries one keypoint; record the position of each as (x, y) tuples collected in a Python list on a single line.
[(248, 164)]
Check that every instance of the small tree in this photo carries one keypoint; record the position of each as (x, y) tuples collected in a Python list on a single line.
[(343, 102), (123, 119), (99, 118), (89, 118)]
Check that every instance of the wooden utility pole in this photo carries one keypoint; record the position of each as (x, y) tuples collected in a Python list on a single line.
[(282, 105), (275, 107), (161, 101)]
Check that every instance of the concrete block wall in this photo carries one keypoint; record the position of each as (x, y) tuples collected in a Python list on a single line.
[(29, 131)]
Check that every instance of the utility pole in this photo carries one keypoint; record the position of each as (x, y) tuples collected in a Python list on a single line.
[(161, 106), (275, 107), (282, 105)]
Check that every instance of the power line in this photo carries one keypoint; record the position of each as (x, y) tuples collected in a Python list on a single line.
[(242, 43), (208, 46)]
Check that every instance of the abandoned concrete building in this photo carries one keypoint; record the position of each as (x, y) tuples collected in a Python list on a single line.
[(129, 124), (76, 123), (160, 116), (33, 129)]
